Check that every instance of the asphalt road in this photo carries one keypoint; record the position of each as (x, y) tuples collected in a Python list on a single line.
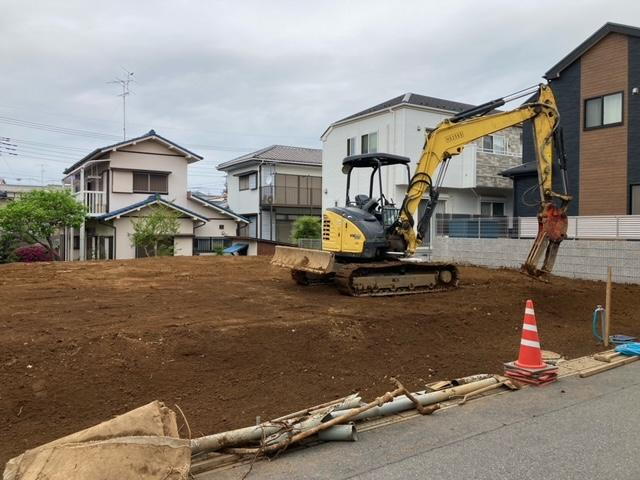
[(574, 429)]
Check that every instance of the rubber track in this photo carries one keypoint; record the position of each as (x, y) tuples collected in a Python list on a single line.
[(347, 272)]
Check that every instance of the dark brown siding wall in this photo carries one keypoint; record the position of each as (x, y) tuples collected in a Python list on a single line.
[(603, 152)]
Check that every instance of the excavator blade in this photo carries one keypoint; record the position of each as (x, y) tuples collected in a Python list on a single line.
[(552, 230), (304, 259)]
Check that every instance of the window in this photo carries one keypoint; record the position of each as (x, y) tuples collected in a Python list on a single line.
[(144, 182), (635, 199), (605, 111), (499, 144), (369, 143), (492, 209), (351, 146), (494, 144), (221, 226), (487, 143), (248, 182), (251, 229)]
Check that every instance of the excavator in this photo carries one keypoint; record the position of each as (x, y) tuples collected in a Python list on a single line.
[(368, 245)]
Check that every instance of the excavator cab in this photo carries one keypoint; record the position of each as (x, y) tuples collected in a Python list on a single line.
[(373, 203)]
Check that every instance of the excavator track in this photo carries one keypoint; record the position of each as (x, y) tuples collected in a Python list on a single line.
[(395, 278)]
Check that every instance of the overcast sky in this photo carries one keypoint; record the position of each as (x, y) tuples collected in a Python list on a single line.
[(226, 78)]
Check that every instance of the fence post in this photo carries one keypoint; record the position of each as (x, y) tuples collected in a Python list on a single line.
[(479, 228)]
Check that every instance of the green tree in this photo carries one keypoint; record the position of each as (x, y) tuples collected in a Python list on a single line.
[(38, 216), (154, 233), (307, 227)]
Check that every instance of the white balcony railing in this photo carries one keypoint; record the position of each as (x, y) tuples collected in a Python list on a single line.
[(95, 201)]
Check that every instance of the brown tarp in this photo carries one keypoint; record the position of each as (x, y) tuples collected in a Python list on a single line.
[(141, 444)]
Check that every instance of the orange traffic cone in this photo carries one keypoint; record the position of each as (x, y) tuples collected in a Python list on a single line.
[(529, 367), (530, 354)]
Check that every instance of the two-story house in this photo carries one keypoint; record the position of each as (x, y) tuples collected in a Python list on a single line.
[(119, 183), (274, 186), (597, 87), (472, 186)]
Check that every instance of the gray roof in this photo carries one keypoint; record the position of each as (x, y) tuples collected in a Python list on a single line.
[(414, 99), (152, 199), (527, 168), (151, 134), (217, 206), (607, 28), (279, 154)]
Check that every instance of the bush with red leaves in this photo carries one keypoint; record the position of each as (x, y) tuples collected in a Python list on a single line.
[(33, 253)]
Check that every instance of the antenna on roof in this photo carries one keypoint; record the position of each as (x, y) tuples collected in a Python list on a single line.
[(124, 82)]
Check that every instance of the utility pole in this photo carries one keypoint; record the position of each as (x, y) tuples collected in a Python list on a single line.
[(124, 83)]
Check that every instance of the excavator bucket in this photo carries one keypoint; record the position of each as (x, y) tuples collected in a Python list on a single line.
[(304, 259), (552, 230)]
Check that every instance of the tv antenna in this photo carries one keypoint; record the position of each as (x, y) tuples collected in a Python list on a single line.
[(124, 83)]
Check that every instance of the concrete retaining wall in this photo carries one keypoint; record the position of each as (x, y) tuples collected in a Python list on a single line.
[(585, 259)]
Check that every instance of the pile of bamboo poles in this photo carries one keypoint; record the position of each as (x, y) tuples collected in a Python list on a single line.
[(331, 421)]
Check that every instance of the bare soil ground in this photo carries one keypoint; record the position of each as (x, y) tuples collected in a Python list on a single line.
[(230, 338)]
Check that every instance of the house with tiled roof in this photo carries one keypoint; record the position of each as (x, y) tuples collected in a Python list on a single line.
[(274, 186), (472, 187), (120, 183)]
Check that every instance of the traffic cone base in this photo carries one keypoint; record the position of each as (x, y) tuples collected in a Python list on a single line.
[(514, 366)]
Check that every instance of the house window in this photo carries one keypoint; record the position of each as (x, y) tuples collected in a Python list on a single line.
[(605, 111), (249, 181), (144, 182), (351, 146), (494, 144), (635, 199), (369, 143), (249, 230), (492, 209)]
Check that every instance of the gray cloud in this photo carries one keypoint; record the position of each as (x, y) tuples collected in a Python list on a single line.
[(243, 75)]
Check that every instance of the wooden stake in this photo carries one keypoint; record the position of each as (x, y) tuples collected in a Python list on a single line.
[(607, 309), (608, 366)]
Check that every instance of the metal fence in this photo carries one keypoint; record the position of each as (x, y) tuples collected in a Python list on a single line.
[(606, 227), (313, 243)]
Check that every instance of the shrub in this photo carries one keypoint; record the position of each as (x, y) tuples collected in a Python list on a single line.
[(8, 244), (218, 250), (307, 227), (33, 253)]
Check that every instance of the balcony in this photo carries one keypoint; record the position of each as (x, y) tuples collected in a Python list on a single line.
[(290, 196), (94, 201)]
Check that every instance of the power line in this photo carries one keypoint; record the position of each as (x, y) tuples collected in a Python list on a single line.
[(54, 128)]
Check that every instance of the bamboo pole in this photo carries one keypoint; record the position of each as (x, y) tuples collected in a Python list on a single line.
[(607, 309)]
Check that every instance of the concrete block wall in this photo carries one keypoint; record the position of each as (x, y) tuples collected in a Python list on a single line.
[(584, 259)]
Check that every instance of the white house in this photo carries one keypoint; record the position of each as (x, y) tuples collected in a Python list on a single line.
[(473, 185), (119, 183), (272, 187)]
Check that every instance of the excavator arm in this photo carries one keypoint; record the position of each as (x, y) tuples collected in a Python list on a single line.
[(451, 136)]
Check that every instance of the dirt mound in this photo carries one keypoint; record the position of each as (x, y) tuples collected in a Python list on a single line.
[(230, 338)]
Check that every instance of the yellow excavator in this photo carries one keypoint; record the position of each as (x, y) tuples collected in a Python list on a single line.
[(368, 245)]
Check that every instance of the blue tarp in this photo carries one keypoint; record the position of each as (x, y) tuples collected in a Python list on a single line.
[(236, 248)]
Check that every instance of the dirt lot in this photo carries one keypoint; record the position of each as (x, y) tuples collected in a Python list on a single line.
[(230, 338)]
